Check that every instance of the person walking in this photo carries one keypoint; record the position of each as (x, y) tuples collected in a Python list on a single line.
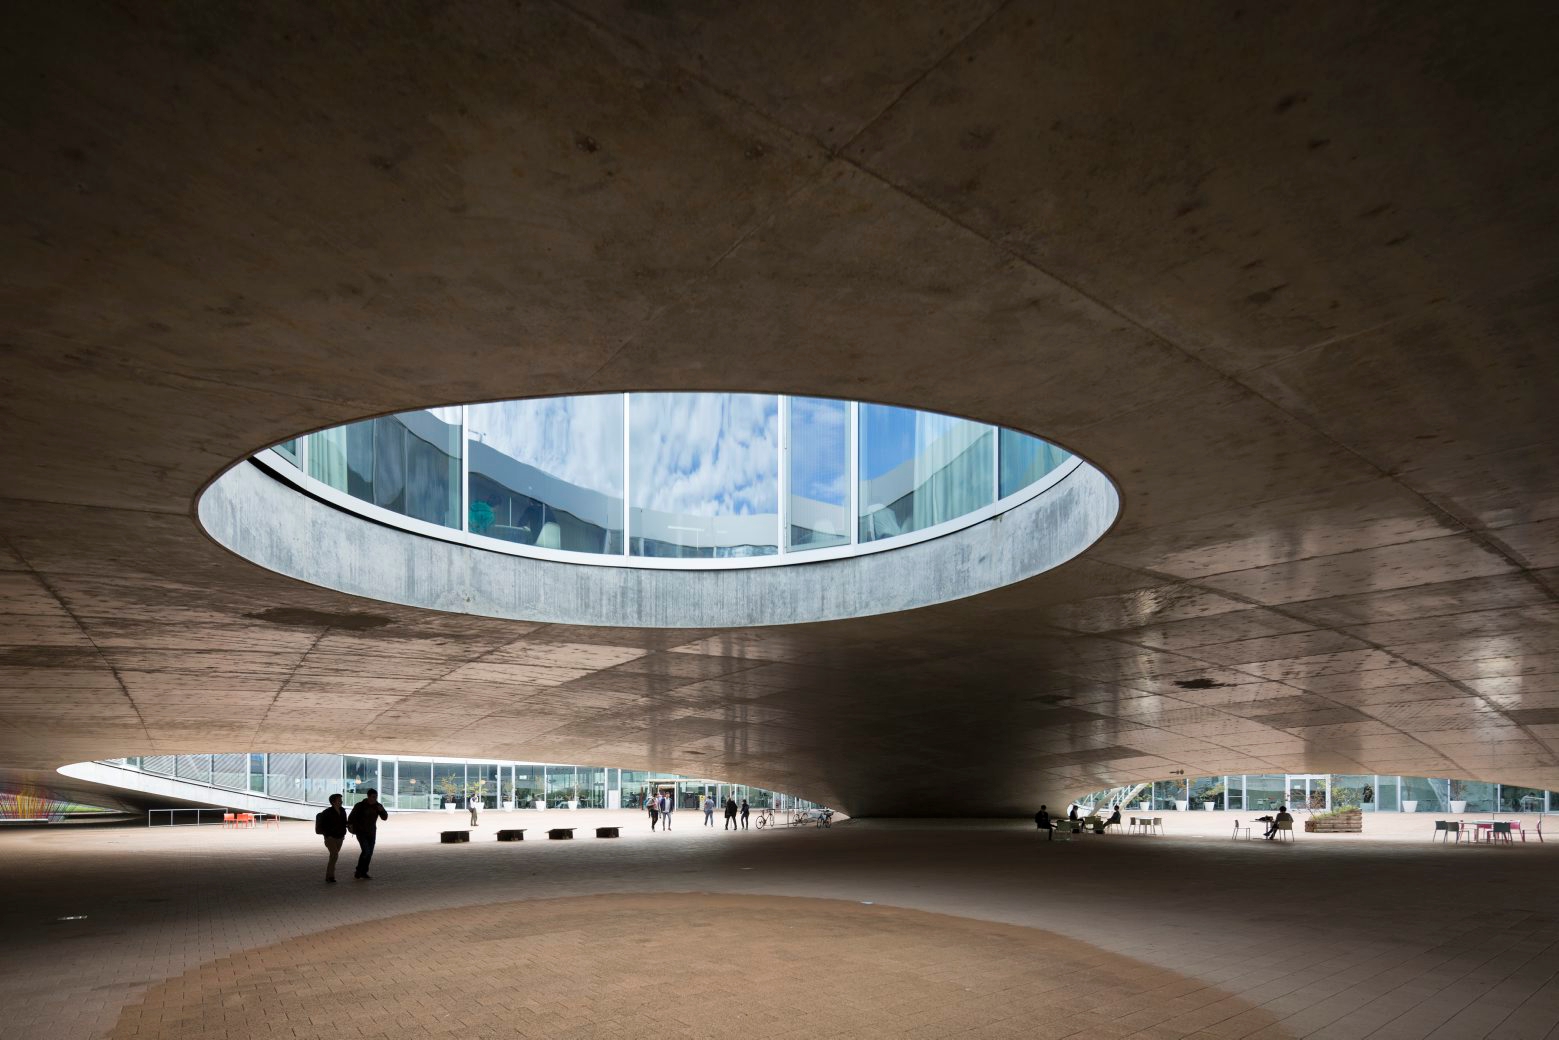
[(709, 810), (331, 824), (652, 804), (363, 822), (1042, 821), (667, 804), (476, 804), (730, 814), (746, 809)]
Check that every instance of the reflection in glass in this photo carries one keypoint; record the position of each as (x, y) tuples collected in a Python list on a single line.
[(408, 463), (919, 469), (819, 473), (1479, 796), (414, 784), (1265, 792), (1025, 459), (1519, 799), (1354, 791), (549, 472), (704, 475)]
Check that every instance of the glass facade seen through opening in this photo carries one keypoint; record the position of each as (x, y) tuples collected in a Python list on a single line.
[(677, 476), (1323, 792), (417, 784)]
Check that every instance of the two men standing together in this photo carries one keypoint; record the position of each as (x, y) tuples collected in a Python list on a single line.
[(334, 823)]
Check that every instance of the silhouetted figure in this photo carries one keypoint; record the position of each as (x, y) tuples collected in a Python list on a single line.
[(1071, 813), (363, 822), (709, 810), (476, 804), (730, 814), (653, 805), (1042, 821), (1282, 817), (1115, 816), (746, 809), (331, 823)]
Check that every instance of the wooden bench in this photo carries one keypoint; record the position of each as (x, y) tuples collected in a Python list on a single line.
[(606, 832), (515, 834), (561, 833), (453, 837)]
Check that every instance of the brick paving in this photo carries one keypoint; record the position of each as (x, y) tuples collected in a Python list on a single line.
[(1330, 939), (673, 965)]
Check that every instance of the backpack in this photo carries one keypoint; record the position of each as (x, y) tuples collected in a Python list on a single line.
[(319, 821)]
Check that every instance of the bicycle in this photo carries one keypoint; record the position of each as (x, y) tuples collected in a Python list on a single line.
[(765, 818)]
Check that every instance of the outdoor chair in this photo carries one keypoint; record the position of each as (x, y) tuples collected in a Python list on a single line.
[(229, 819), (1284, 827), (1447, 827), (1538, 830), (1132, 828), (1240, 832), (1500, 829), (1158, 824)]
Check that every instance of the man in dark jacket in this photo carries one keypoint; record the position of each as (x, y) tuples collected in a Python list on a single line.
[(364, 823), (1042, 821), (730, 814), (331, 823)]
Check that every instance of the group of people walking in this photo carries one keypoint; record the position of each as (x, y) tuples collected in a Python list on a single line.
[(660, 808), (334, 823), (732, 811)]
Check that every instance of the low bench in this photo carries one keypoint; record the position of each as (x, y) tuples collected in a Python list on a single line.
[(606, 832), (453, 837), (560, 833), (517, 834)]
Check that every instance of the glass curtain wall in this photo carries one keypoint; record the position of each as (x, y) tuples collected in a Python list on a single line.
[(408, 463), (920, 469), (704, 475), (679, 475), (819, 495), (549, 472)]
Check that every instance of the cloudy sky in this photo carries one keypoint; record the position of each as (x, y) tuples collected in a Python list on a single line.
[(578, 439), (705, 454)]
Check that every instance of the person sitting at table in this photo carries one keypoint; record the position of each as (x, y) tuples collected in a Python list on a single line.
[(1071, 813), (1115, 817), (1281, 817)]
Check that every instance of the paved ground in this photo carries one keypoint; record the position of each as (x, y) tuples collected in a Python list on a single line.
[(1334, 938)]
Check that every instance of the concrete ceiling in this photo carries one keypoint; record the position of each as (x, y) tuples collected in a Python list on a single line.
[(1287, 272)]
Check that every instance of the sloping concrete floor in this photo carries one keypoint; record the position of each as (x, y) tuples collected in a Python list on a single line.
[(1334, 938)]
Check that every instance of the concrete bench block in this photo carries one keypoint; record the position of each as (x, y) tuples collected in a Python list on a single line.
[(512, 834), (606, 832), (453, 837), (561, 833)]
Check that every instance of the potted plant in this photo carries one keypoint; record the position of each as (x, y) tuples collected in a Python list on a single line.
[(506, 794), (1409, 806), (573, 797), (1457, 806), (1210, 797)]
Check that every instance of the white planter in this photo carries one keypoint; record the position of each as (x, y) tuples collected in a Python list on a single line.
[(573, 804), (1209, 806), (449, 806), (1409, 806), (1181, 805), (540, 803), (508, 806), (1145, 807), (1458, 807)]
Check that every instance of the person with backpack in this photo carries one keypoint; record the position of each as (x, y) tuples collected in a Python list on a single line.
[(330, 822), (363, 822), (653, 805), (730, 814), (746, 811)]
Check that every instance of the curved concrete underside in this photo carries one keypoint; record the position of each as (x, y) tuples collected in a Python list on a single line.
[(1288, 274), (272, 523)]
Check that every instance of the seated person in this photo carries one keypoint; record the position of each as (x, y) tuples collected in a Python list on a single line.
[(1071, 813), (1115, 816), (1281, 817), (1042, 821)]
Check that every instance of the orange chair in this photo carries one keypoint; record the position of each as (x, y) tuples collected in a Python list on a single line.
[(246, 819), (228, 819)]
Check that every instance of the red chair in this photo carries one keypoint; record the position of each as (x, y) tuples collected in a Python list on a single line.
[(227, 819), (246, 819)]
